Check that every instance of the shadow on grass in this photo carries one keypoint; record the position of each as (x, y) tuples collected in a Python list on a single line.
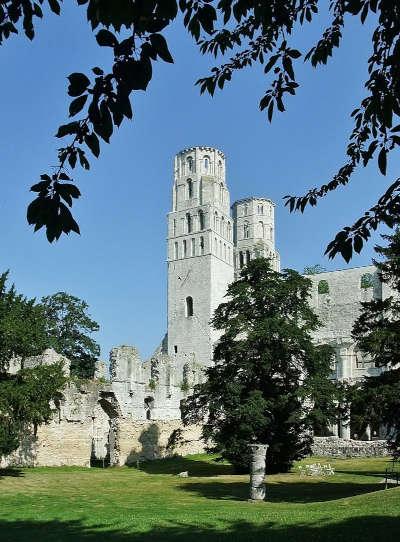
[(195, 467), (365, 528), (15, 473), (290, 492)]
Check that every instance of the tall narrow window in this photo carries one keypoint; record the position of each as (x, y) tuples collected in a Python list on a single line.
[(202, 246), (201, 220), (189, 184), (247, 256), (246, 210), (184, 248), (246, 230), (271, 233), (190, 164), (229, 231), (215, 220), (188, 223), (220, 249), (189, 306), (229, 254), (174, 227), (261, 229), (220, 168), (221, 192), (176, 251), (241, 259), (193, 247), (223, 226), (215, 246), (225, 251), (206, 164)]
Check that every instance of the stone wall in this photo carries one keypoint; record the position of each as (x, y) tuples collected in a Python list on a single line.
[(337, 447)]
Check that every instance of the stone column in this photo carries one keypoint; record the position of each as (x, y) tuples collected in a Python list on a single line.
[(368, 432), (345, 429), (334, 429), (257, 472)]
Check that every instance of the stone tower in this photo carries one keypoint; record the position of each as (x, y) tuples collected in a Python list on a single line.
[(200, 252), (254, 231)]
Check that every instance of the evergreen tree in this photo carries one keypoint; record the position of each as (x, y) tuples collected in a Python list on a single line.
[(377, 334), (68, 328), (270, 383), (24, 397)]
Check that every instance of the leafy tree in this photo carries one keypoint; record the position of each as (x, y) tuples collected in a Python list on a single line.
[(377, 334), (251, 32), (270, 383), (313, 269), (68, 328), (25, 396)]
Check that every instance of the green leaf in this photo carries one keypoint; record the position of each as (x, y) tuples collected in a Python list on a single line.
[(160, 45), (105, 38), (78, 84), (68, 129), (382, 161), (77, 105), (92, 141)]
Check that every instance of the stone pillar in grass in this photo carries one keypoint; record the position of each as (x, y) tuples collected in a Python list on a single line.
[(257, 472)]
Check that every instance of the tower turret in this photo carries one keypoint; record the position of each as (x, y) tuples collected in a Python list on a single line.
[(254, 231), (200, 251)]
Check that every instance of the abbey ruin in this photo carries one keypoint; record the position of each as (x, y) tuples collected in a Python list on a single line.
[(132, 411)]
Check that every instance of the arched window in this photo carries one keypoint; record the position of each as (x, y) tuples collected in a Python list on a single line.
[(229, 231), (323, 287), (271, 233), (367, 281), (215, 246), (247, 256), (261, 209), (215, 220), (190, 164), (224, 251), (241, 259), (246, 210), (202, 246), (201, 220), (193, 246), (220, 249), (219, 168), (221, 192), (223, 226), (206, 164), (261, 229), (188, 223), (174, 227), (176, 251), (246, 230), (189, 306), (184, 248), (229, 254), (148, 406), (189, 184)]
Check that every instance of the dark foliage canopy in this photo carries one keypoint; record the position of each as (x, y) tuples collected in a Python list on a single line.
[(270, 383), (250, 32), (25, 396), (377, 333), (68, 330)]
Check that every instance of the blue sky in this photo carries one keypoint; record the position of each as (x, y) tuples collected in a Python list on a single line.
[(118, 264)]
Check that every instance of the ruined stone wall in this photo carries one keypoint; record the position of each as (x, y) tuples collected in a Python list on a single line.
[(337, 447)]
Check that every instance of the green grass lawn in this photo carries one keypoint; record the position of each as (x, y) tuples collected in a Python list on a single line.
[(153, 504)]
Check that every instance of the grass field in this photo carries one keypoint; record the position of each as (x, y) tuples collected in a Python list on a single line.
[(152, 504)]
